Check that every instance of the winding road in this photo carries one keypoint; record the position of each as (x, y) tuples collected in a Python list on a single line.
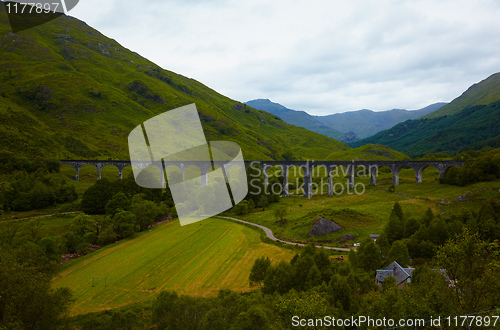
[(269, 234)]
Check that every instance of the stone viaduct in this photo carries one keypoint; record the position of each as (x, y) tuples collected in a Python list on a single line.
[(349, 168)]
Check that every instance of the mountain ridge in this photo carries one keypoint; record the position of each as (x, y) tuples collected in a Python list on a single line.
[(363, 123), (295, 117), (370, 122)]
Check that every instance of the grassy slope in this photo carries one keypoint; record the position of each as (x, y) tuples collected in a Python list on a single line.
[(472, 128), (369, 152), (66, 91), (482, 93), (198, 259)]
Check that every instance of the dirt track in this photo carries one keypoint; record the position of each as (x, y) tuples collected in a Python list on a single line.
[(269, 234)]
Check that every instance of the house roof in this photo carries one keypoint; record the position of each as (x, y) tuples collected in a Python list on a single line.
[(394, 269), (381, 274), (401, 274), (409, 270)]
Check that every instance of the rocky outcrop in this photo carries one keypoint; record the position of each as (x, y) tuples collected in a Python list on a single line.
[(281, 222), (322, 226), (349, 137), (347, 237)]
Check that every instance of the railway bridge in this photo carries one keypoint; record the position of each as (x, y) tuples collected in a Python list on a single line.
[(348, 168)]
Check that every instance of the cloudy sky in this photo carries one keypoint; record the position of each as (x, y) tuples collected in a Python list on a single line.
[(321, 56)]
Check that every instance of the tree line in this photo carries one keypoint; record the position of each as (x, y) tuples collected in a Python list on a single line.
[(32, 184), (484, 167)]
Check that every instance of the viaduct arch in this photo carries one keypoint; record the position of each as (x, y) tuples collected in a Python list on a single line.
[(307, 167)]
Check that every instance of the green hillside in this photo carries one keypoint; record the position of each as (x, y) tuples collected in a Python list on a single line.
[(470, 125), (68, 92), (369, 152), (482, 93)]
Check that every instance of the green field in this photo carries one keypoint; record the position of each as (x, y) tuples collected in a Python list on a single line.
[(198, 259)]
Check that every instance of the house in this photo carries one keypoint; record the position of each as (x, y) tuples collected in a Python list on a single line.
[(402, 275), (374, 237)]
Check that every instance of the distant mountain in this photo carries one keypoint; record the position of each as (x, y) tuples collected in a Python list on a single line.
[(347, 126), (294, 117), (471, 121), (366, 123)]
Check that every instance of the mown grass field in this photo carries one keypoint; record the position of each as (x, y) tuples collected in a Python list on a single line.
[(198, 259)]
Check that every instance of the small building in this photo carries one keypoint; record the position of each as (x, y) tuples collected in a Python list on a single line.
[(374, 237), (402, 275)]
